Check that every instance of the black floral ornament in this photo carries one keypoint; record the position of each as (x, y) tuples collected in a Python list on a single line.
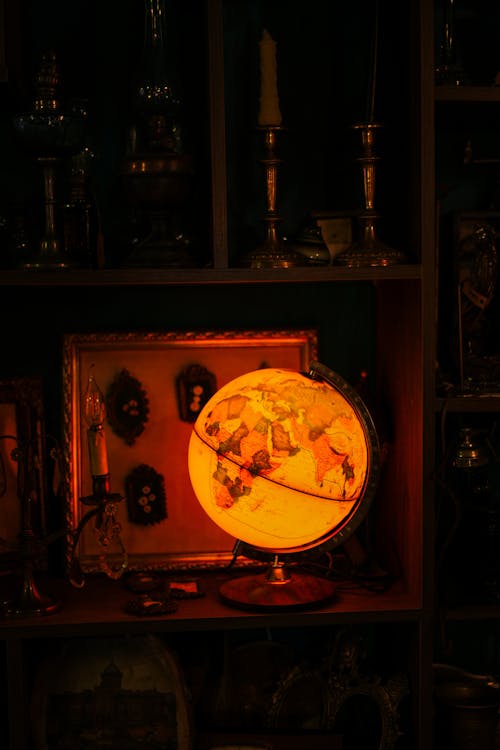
[(127, 407), (146, 498)]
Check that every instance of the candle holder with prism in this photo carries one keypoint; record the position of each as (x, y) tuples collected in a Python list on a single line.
[(102, 503), (102, 510)]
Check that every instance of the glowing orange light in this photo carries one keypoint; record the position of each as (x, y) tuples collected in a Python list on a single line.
[(280, 460)]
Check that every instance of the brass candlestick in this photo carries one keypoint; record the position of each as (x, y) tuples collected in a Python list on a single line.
[(272, 253), (28, 600), (368, 250)]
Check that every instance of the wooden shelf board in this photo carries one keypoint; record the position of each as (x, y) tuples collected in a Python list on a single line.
[(187, 276), (463, 404), (473, 613), (98, 609), (471, 94)]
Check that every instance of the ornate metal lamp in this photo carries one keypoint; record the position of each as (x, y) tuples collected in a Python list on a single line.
[(29, 600), (50, 133), (157, 171), (102, 502)]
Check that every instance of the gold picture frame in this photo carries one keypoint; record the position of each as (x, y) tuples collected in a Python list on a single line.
[(183, 537)]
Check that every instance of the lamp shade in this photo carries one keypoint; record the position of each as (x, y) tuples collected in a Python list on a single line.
[(285, 461)]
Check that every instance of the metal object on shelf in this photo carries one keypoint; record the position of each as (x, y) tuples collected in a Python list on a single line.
[(368, 249), (113, 558), (469, 452), (476, 527), (273, 252), (158, 186), (477, 270), (466, 708), (157, 174), (50, 133), (102, 503), (448, 71), (28, 600), (311, 245)]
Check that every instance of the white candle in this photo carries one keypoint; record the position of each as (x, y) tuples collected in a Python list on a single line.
[(94, 412), (98, 454), (269, 111)]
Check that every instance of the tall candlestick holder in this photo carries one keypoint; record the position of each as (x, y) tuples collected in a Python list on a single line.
[(101, 503), (368, 249), (28, 600), (272, 253)]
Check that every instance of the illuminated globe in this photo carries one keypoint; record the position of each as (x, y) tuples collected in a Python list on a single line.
[(284, 461)]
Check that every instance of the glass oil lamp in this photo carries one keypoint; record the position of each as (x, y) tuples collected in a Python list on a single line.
[(480, 514)]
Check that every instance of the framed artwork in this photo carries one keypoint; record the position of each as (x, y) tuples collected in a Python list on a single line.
[(111, 692), (153, 386), (21, 459)]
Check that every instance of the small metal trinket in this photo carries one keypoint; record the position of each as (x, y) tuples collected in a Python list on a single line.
[(147, 605)]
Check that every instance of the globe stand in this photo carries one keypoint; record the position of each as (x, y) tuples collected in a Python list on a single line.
[(253, 476), (279, 586)]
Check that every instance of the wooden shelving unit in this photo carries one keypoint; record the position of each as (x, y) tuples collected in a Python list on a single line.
[(389, 312), (467, 617)]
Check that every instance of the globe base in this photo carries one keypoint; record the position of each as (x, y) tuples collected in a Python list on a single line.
[(257, 592)]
